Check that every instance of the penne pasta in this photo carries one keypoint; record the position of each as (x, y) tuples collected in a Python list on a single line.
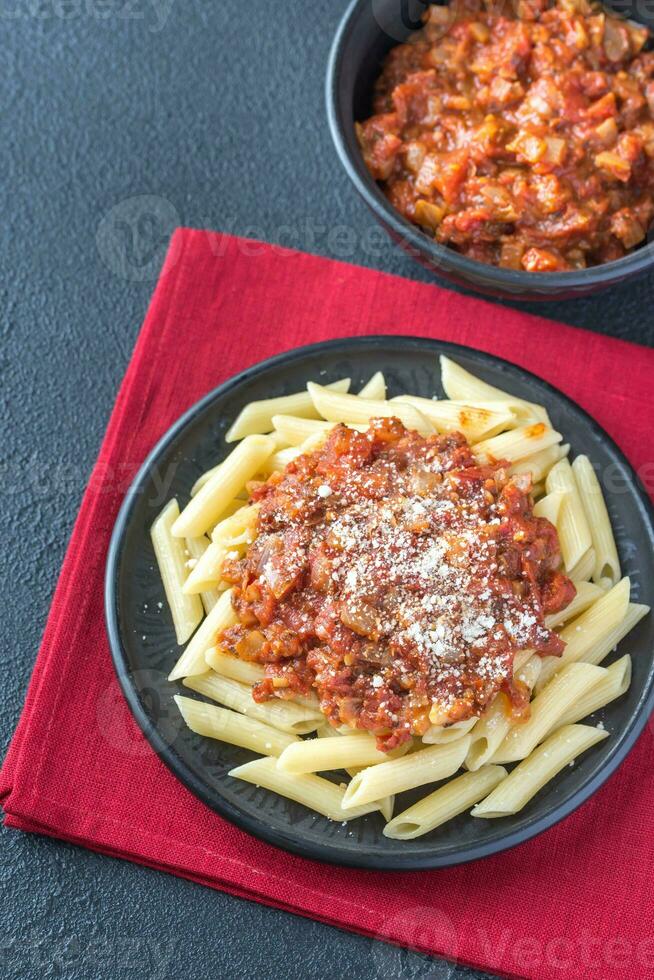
[(296, 430), (208, 568), (280, 460), (496, 722), (390, 778), (460, 385), (444, 803), (192, 660), (613, 684), (210, 593), (567, 687), (320, 754), (440, 735), (284, 715), (474, 421), (587, 594), (517, 443), (608, 641), (583, 570), (204, 509), (607, 563), (375, 389), (549, 506), (256, 417), (387, 804), (204, 478), (170, 552), (323, 549), (539, 465), (239, 529), (351, 409), (229, 726), (312, 791), (309, 701), (572, 526), (244, 671), (523, 782), (588, 630)]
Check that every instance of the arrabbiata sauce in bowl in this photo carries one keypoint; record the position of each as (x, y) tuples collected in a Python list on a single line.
[(519, 134)]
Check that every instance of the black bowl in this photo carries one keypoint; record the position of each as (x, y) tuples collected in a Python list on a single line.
[(366, 33), (142, 637)]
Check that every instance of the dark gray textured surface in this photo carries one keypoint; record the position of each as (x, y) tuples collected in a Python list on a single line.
[(216, 112)]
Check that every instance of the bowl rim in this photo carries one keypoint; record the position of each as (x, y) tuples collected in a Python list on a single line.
[(440, 256), (184, 772)]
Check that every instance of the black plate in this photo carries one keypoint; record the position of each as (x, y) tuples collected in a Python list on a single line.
[(143, 642)]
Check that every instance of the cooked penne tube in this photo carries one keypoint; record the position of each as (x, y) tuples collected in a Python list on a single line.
[(351, 409), (244, 671), (540, 463), (496, 722), (574, 533), (204, 509), (613, 685), (320, 754), (439, 734), (375, 388), (250, 673), (257, 416), (474, 421), (460, 385), (192, 660), (390, 778), (309, 701), (607, 563), (197, 548), (229, 726), (558, 751), (239, 529), (170, 552), (565, 688), (493, 727), (312, 791), (296, 429), (587, 630), (444, 803), (204, 478), (387, 804), (549, 506), (521, 658), (285, 715), (583, 570), (208, 569), (586, 595), (517, 443), (605, 643), (280, 460)]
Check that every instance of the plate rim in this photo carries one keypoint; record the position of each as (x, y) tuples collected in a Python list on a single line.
[(255, 826)]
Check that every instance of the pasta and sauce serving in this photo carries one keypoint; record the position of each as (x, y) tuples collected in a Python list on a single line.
[(410, 591)]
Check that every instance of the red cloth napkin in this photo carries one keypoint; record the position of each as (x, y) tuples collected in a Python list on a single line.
[(577, 900)]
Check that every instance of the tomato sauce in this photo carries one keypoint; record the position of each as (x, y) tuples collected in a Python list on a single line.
[(392, 573), (519, 132)]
